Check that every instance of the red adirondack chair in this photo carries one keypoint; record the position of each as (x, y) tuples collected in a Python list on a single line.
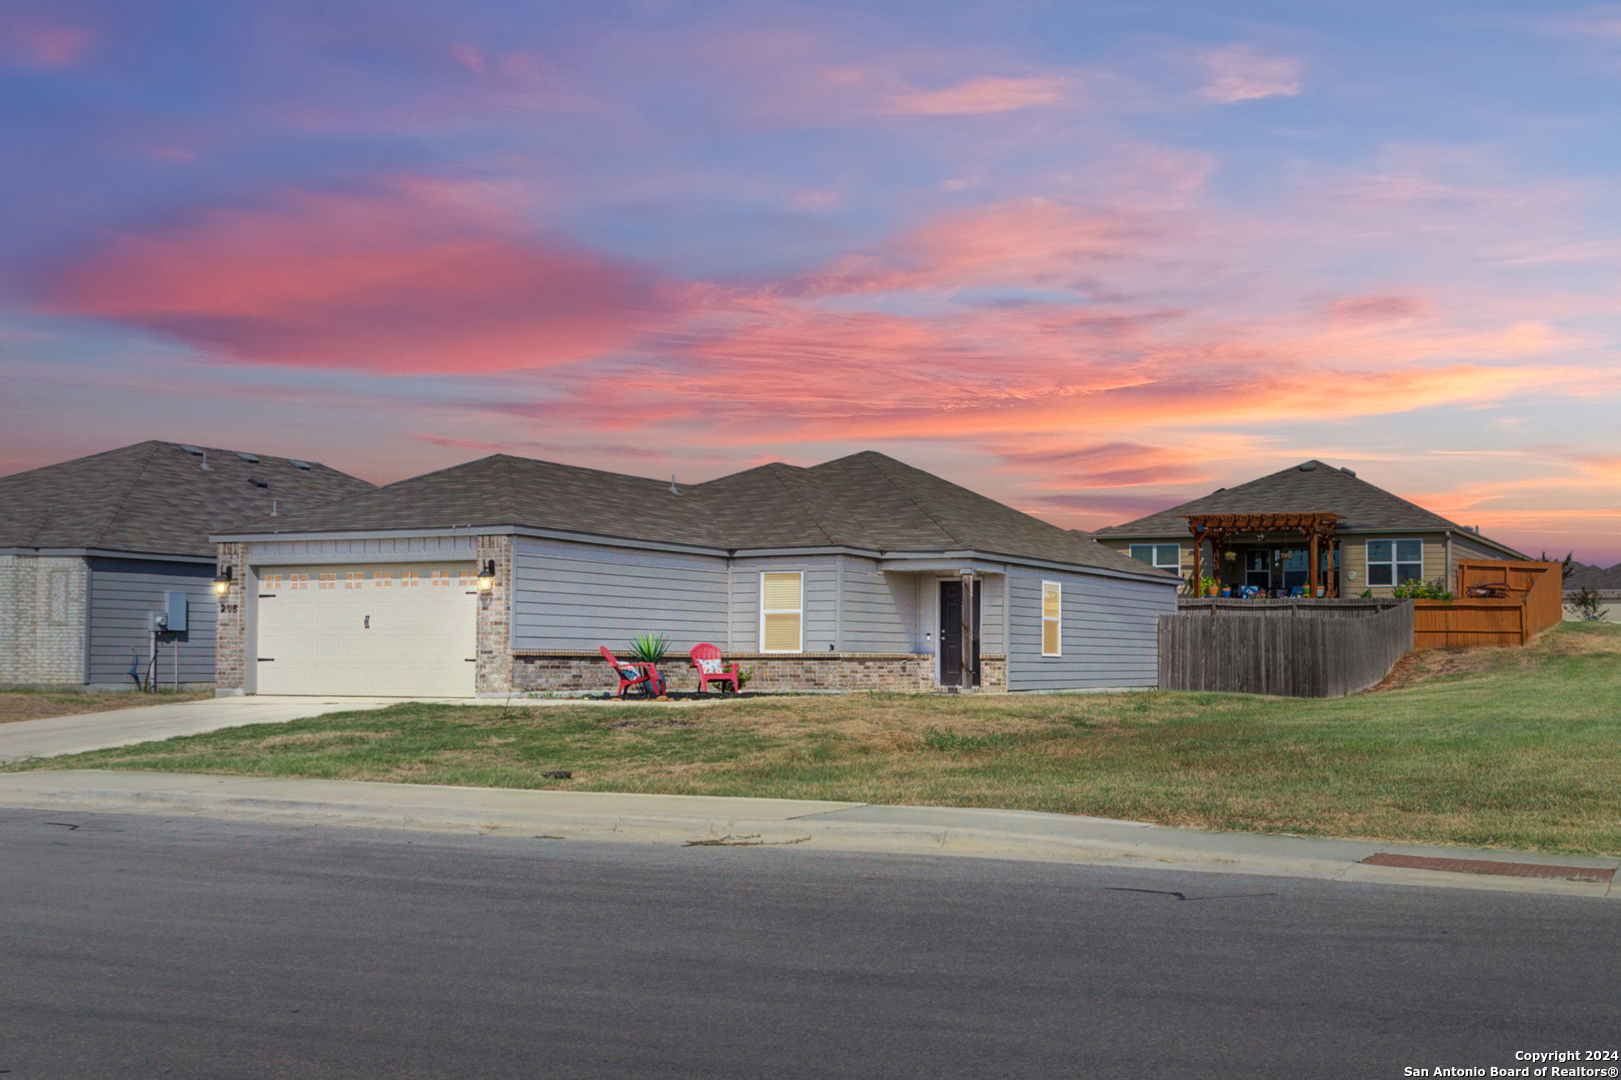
[(706, 658), (632, 672)]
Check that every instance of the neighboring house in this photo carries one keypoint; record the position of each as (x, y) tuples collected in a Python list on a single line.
[(1607, 583), (92, 549), (860, 573), (1367, 538)]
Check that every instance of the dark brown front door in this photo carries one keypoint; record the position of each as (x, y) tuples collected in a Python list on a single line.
[(951, 638)]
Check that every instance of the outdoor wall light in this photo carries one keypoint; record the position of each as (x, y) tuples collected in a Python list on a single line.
[(486, 577), (222, 582)]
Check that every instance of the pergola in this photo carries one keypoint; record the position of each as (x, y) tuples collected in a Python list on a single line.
[(1317, 526)]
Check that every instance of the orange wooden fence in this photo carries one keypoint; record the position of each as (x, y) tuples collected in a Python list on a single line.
[(1531, 604)]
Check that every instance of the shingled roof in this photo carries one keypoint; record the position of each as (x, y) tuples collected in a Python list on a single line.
[(1310, 486), (865, 501), (156, 498), (1594, 577)]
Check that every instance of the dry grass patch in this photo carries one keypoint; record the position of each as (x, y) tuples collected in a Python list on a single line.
[(18, 705)]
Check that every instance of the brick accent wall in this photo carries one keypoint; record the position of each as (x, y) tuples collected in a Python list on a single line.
[(992, 674), (495, 668), (904, 672), (231, 624), (42, 620)]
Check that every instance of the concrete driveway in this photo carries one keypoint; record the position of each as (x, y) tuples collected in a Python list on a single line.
[(124, 727)]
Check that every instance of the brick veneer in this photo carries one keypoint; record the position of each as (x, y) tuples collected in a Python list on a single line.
[(231, 623), (903, 672), (42, 613), (494, 675)]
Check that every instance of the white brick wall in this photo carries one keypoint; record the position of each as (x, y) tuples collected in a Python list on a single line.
[(42, 613)]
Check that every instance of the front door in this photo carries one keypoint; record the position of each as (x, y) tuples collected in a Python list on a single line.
[(951, 639)]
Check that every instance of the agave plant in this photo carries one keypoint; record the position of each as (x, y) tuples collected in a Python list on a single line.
[(649, 648)]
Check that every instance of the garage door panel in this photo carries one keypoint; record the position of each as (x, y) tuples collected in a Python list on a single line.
[(386, 640)]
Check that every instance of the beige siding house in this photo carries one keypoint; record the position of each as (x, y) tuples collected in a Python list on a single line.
[(1380, 540)]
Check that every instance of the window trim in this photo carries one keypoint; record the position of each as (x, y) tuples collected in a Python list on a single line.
[(800, 611), (1395, 578), (1154, 560), (1057, 620)]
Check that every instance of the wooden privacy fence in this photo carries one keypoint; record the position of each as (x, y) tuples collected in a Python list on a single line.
[(1527, 599), (1292, 648)]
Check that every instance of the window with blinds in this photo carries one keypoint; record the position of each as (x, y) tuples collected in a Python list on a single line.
[(1052, 618), (782, 612)]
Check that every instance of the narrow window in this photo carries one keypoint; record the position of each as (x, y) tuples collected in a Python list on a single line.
[(1052, 618), (1395, 562), (782, 612)]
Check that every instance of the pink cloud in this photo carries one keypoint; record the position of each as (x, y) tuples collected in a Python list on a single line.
[(1242, 73), (418, 277), (987, 94), (42, 41)]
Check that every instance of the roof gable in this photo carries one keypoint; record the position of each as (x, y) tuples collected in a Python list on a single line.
[(1311, 486)]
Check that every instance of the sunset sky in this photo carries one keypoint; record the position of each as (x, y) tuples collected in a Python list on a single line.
[(1088, 258)]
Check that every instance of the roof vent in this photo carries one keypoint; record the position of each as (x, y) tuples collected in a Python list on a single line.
[(1307, 466), (195, 451), (1218, 491), (256, 482), (1348, 472), (299, 464), (251, 459)]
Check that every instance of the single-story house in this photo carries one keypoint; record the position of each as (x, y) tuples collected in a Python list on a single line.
[(507, 574), (1607, 583), (1262, 534), (96, 551)]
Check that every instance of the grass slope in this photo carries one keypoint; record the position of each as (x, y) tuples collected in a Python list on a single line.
[(1508, 747)]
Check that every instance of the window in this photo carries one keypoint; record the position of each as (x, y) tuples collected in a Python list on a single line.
[(1052, 618), (408, 579), (270, 582), (298, 581), (439, 577), (782, 612), (1163, 556), (382, 579), (468, 579), (352, 579), (1394, 562), (327, 581)]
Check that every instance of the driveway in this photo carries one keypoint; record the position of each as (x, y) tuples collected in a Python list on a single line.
[(123, 727)]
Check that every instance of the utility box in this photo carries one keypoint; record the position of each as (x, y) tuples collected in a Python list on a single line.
[(174, 607)]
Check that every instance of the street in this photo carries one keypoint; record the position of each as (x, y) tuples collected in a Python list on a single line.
[(140, 946)]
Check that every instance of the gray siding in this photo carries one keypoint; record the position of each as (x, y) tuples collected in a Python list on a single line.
[(578, 596), (879, 610), (375, 549), (820, 600), (1109, 635), (122, 593)]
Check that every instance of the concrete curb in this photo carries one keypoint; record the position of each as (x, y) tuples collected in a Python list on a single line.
[(719, 822)]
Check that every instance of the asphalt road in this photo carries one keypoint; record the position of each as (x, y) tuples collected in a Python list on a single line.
[(135, 946)]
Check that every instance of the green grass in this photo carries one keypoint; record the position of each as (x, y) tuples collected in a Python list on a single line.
[(1509, 748)]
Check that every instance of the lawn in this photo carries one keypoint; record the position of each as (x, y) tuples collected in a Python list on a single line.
[(41, 704), (1504, 747)]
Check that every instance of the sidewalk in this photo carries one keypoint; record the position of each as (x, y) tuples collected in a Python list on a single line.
[(821, 826)]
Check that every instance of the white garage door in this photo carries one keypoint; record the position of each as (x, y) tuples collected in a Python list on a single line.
[(389, 631)]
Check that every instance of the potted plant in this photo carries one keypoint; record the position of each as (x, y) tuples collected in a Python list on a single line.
[(650, 649), (1207, 586)]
